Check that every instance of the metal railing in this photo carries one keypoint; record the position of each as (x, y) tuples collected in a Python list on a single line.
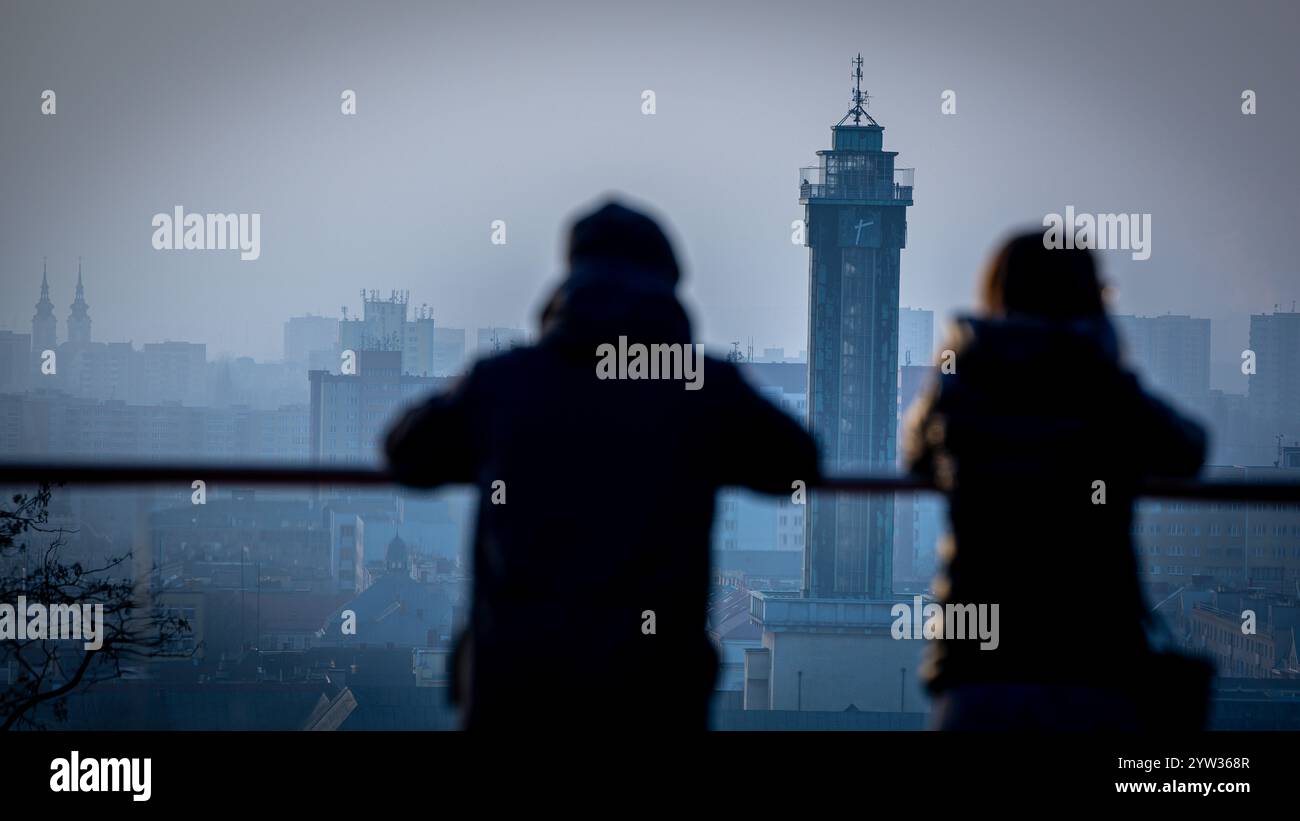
[(883, 191), (158, 473), (818, 182)]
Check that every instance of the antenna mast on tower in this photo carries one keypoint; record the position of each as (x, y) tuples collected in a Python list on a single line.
[(860, 99)]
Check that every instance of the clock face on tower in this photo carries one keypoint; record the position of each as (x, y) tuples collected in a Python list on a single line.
[(860, 228)]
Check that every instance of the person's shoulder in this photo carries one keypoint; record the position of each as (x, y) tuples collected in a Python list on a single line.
[(723, 371), (504, 363)]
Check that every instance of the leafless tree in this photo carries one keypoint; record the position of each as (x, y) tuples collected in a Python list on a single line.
[(43, 673)]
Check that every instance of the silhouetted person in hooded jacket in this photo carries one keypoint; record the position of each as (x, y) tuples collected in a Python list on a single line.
[(590, 582), (1038, 411)]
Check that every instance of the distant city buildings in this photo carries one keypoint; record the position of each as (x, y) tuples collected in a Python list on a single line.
[(1172, 353), (15, 361), (1213, 625), (175, 371), (311, 339), (385, 325), (350, 413), (1275, 384), (919, 519), (498, 340), (779, 356), (167, 400), (1201, 545), (745, 521), (449, 353), (52, 423), (915, 337)]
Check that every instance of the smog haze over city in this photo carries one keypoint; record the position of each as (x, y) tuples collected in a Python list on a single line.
[(467, 115), (1019, 276)]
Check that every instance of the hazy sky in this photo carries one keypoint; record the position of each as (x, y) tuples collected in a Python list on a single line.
[(471, 112)]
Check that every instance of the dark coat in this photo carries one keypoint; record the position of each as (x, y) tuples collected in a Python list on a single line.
[(1034, 414), (610, 489)]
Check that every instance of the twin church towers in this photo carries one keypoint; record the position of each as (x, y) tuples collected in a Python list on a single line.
[(45, 335)]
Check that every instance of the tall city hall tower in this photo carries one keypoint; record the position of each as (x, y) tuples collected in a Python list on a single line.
[(855, 211)]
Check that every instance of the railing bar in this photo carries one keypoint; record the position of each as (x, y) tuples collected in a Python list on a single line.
[(102, 473)]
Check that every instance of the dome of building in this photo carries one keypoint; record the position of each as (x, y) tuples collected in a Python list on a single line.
[(398, 555)]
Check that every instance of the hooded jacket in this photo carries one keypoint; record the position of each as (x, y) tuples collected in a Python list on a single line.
[(590, 581), (1033, 417)]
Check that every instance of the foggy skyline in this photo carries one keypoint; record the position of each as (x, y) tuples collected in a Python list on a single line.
[(473, 114)]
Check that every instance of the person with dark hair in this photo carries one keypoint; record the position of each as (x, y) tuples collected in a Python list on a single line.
[(1040, 437), (591, 549)]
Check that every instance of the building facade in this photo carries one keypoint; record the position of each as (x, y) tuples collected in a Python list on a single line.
[(385, 325), (351, 412)]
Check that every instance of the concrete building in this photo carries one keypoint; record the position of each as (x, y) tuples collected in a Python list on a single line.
[(397, 611), (15, 362), (919, 518), (351, 412), (1275, 385), (1171, 353), (830, 655), (1261, 647), (384, 326), (746, 521), (1201, 545), (915, 337), (111, 370), (174, 372), (53, 423), (449, 354)]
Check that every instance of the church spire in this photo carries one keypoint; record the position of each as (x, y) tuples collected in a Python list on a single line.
[(44, 325), (79, 317)]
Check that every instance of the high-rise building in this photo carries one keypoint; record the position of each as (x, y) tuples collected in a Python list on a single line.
[(385, 326), (104, 370), (54, 423), (915, 337), (1207, 544), (1275, 385), (855, 204), (174, 372), (351, 412), (745, 521), (1171, 352), (15, 361), (448, 351)]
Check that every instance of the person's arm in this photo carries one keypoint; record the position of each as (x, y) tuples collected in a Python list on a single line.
[(433, 444), (1168, 443), (924, 428), (922, 432), (762, 447)]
